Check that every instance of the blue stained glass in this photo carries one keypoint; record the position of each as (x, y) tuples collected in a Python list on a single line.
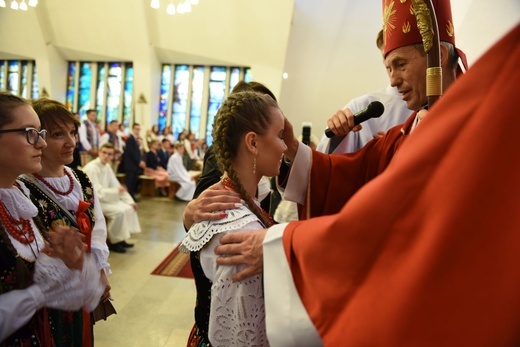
[(234, 77), (85, 80), (128, 92), (25, 79), (100, 89), (197, 88), (166, 78), (180, 99), (13, 77), (114, 91), (248, 76), (35, 88), (2, 74), (217, 94), (71, 87)]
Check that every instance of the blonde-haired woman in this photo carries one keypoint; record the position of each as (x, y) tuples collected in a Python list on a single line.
[(248, 145)]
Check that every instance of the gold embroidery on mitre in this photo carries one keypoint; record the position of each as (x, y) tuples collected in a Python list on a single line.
[(389, 18), (449, 29), (424, 23), (403, 1), (412, 11), (406, 27)]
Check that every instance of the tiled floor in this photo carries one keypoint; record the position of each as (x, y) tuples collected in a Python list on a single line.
[(151, 310)]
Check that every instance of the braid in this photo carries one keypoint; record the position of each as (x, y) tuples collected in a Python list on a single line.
[(240, 113)]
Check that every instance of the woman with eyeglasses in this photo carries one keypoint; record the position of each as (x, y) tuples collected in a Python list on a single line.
[(65, 196), (39, 269)]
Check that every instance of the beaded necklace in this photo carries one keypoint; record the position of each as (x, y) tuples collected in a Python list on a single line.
[(44, 181), (13, 226), (226, 181)]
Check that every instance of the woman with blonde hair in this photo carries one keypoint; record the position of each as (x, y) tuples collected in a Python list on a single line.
[(248, 145)]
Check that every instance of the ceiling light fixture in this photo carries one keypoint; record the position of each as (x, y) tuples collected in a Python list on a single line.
[(183, 6), (171, 8), (155, 4), (19, 4)]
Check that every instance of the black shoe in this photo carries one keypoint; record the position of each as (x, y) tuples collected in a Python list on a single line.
[(126, 244), (117, 248)]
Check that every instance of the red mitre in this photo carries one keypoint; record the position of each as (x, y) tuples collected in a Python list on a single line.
[(400, 25)]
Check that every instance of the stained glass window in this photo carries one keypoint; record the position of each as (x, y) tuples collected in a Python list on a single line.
[(13, 77), (217, 94), (127, 95), (188, 89), (181, 83), (71, 87), (85, 80), (100, 88), (197, 88), (35, 88), (234, 77), (2, 74), (166, 78), (19, 77), (25, 79), (113, 91), (105, 87), (248, 76)]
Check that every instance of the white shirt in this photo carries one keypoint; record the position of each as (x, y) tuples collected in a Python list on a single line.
[(396, 112)]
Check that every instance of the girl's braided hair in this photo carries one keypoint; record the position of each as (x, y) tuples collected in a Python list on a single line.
[(239, 114)]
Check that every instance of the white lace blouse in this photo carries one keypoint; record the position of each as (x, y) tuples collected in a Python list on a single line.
[(237, 314)]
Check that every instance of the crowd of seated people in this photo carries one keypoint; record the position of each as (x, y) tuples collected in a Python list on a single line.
[(156, 150)]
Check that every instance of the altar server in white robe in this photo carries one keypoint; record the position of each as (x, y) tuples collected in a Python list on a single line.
[(118, 206), (178, 173)]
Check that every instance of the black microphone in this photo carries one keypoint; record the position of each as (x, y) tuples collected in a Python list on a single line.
[(374, 110)]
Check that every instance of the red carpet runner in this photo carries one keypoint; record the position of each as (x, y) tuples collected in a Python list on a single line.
[(176, 264)]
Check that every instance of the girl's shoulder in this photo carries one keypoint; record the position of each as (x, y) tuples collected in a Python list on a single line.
[(201, 233)]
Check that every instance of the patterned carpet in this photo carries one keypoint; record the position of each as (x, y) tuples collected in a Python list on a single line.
[(176, 264)]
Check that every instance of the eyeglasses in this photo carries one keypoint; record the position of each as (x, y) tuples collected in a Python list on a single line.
[(32, 135)]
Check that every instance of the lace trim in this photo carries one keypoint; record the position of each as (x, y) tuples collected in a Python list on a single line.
[(201, 233), (17, 204)]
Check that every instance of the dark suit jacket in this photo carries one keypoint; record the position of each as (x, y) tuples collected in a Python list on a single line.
[(163, 157), (132, 155)]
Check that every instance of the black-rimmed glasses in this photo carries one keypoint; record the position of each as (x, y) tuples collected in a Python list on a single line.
[(31, 134)]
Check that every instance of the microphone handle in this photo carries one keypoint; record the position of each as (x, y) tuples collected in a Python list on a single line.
[(358, 119)]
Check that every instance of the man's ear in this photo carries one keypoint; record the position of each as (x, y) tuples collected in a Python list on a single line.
[(250, 140)]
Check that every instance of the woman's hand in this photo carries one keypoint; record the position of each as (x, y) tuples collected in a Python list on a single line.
[(210, 205), (67, 244)]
